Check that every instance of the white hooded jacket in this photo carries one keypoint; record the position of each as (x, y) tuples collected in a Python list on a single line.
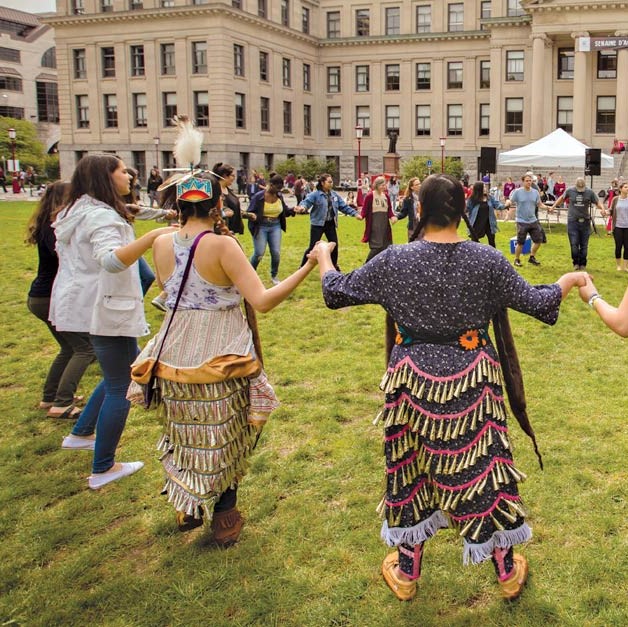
[(85, 296)]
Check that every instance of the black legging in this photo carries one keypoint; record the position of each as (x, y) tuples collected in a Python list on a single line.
[(316, 233), (621, 240)]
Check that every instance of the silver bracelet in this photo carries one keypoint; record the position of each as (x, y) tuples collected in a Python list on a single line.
[(593, 298)]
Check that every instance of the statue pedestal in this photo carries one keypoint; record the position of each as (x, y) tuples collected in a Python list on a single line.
[(391, 163)]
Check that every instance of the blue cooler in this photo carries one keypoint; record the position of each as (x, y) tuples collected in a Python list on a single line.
[(527, 246)]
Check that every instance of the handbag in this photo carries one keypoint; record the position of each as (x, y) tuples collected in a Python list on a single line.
[(152, 393)]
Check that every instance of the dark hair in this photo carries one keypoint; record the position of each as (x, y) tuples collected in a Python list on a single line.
[(477, 193), (321, 179), (53, 199), (132, 197), (209, 208), (276, 180), (222, 169), (88, 178)]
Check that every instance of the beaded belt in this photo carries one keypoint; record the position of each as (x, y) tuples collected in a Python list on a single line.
[(469, 339)]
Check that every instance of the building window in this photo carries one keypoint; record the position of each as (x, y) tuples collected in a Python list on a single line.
[(362, 78), (423, 75), (307, 120), (201, 108), (564, 113), (307, 77), (261, 8), (238, 60), (138, 67), (167, 159), (363, 118), (47, 102), (167, 59), (285, 12), (454, 75), (11, 83), (79, 154), (139, 163), (305, 20), (455, 17), (286, 72), (135, 5), (605, 114), (167, 3), (199, 57), (393, 116), (106, 6), (240, 110), (108, 57), (454, 119), (264, 110), (565, 63), (333, 79), (268, 161), (287, 117), (169, 100), (423, 18), (12, 112), (513, 9), (334, 121), (485, 10), (80, 63), (236, 4), (82, 112), (362, 23), (423, 120), (485, 74), (333, 24), (485, 120), (140, 110), (78, 7), (10, 54), (111, 110), (392, 77), (263, 66), (49, 58), (514, 115), (393, 21), (514, 65), (607, 64)]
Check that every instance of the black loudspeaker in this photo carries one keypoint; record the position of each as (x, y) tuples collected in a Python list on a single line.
[(593, 161), (488, 160)]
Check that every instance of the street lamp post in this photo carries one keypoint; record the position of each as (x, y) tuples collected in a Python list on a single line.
[(359, 131), (12, 136), (442, 154), (156, 140)]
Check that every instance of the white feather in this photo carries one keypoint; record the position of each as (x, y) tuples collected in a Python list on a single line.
[(187, 147)]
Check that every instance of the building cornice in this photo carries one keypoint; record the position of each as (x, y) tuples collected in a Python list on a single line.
[(117, 17), (504, 22), (557, 6), (402, 39)]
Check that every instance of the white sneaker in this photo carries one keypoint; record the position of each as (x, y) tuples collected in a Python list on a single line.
[(274, 280), (101, 479), (79, 443), (160, 303)]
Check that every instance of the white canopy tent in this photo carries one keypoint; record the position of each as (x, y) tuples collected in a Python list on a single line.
[(558, 149)]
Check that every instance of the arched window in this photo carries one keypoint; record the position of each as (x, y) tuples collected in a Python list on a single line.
[(49, 58)]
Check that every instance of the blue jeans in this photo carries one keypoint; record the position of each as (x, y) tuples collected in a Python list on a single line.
[(267, 233), (107, 408), (579, 233)]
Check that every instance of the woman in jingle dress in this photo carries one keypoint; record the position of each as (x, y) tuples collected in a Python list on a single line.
[(448, 454)]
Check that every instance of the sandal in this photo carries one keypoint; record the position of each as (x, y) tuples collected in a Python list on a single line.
[(403, 590), (511, 588), (49, 404), (71, 412)]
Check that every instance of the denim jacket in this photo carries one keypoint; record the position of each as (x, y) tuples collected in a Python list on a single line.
[(493, 205), (316, 202)]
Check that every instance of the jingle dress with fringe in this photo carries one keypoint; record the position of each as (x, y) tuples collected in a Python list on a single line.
[(214, 393), (446, 442)]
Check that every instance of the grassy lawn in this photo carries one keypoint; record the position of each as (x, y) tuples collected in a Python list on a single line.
[(310, 552)]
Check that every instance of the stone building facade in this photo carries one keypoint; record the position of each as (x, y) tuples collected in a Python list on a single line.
[(267, 79)]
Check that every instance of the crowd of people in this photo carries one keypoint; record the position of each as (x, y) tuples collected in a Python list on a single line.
[(448, 459)]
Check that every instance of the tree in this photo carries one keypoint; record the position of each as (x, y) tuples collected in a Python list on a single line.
[(29, 151), (308, 168), (417, 166)]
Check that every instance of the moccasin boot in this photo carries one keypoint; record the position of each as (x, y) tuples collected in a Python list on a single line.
[(403, 590), (226, 527), (185, 522), (512, 587)]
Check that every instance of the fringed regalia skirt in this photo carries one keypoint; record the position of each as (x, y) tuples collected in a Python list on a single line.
[(448, 457), (210, 429)]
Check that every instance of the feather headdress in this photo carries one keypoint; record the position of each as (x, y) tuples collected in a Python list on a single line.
[(187, 152)]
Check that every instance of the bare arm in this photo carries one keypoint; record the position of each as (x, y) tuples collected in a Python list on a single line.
[(571, 280), (132, 252), (615, 318), (241, 273)]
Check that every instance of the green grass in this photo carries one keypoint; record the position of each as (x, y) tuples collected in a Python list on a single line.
[(310, 551)]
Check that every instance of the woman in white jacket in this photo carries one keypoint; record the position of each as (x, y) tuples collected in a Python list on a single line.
[(97, 290)]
